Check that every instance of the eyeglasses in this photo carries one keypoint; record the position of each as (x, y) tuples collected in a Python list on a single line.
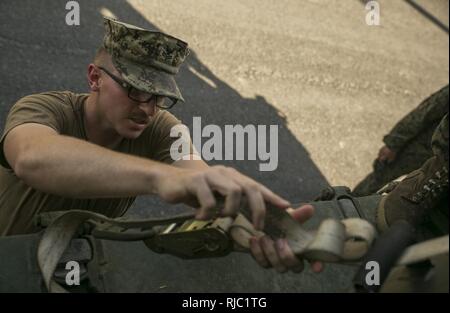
[(141, 96)]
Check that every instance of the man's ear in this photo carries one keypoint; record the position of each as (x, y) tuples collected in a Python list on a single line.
[(93, 76)]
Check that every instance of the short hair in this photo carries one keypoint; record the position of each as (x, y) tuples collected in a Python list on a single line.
[(100, 56)]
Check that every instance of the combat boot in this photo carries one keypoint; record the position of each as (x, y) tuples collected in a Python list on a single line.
[(421, 194)]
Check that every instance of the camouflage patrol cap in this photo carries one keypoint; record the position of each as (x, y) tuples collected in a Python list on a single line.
[(148, 60)]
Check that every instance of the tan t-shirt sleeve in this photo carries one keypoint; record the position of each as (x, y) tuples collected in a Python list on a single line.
[(40, 108)]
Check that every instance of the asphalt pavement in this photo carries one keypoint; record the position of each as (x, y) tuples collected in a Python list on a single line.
[(333, 84)]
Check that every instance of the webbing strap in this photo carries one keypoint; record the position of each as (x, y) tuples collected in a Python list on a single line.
[(334, 241), (57, 236)]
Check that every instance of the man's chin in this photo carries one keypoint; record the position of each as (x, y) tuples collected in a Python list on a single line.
[(132, 130), (132, 134)]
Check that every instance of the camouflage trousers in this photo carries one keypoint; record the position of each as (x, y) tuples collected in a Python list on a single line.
[(409, 159), (412, 157)]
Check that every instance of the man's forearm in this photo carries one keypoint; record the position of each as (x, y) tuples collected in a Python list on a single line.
[(192, 164), (74, 168)]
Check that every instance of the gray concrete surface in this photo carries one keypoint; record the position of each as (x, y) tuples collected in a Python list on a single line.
[(333, 84)]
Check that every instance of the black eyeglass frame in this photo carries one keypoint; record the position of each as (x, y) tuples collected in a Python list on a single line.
[(130, 88)]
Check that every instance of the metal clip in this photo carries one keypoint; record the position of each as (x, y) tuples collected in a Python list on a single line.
[(194, 239)]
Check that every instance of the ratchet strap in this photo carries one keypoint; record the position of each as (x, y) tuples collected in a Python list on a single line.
[(334, 241)]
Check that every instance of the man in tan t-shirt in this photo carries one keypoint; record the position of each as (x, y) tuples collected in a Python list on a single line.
[(98, 151)]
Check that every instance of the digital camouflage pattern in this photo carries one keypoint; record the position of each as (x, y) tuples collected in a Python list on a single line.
[(424, 118), (422, 197), (411, 140), (148, 60)]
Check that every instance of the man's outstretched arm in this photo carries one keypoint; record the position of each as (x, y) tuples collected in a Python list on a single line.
[(66, 166)]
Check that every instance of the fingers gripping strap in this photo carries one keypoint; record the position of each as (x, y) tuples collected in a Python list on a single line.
[(241, 231), (334, 240)]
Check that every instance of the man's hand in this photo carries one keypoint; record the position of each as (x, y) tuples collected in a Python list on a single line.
[(386, 155), (278, 255), (197, 188)]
